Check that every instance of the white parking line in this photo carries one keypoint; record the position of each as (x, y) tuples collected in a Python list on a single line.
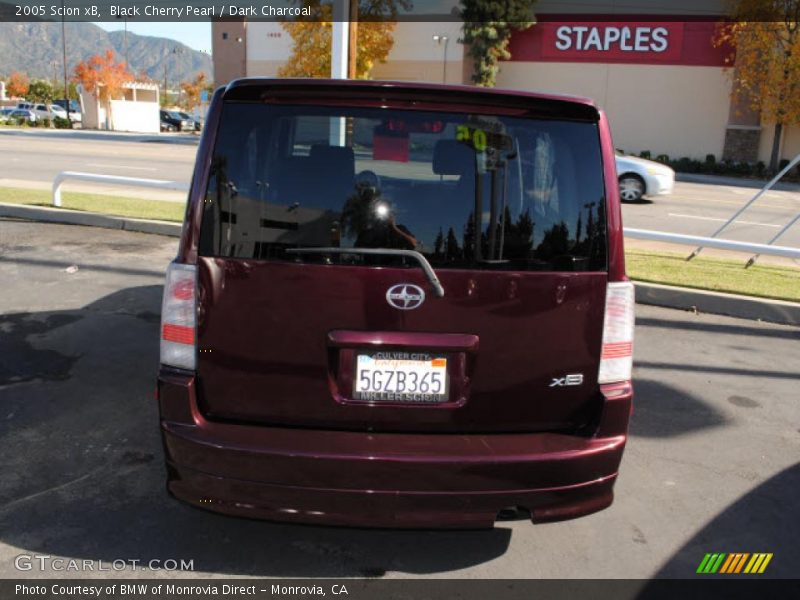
[(761, 204), (739, 191), (723, 220), (105, 166)]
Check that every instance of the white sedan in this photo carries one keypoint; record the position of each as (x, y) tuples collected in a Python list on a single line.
[(639, 177), (49, 111)]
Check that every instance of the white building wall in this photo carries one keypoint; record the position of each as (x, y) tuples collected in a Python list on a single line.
[(268, 48), (415, 55), (141, 117), (674, 110)]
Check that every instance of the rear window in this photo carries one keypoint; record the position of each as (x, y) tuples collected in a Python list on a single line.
[(467, 191)]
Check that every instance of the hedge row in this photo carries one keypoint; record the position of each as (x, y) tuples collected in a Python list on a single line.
[(57, 122), (711, 166)]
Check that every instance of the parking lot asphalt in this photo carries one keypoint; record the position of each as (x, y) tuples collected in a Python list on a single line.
[(713, 463)]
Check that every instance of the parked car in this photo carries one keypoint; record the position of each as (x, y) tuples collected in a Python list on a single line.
[(198, 124), (167, 127), (22, 115), (639, 177), (174, 118), (74, 109), (42, 112), (5, 112), (436, 339), (57, 111), (46, 111)]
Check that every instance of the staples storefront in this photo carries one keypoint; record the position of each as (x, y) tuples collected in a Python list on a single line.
[(661, 80)]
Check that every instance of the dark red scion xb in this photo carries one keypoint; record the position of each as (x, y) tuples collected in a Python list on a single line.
[(397, 305)]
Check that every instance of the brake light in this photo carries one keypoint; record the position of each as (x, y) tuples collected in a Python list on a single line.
[(178, 317), (616, 360)]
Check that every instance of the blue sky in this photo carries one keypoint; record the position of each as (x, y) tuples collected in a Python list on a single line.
[(195, 35)]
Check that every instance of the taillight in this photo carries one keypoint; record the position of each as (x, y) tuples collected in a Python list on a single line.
[(178, 317), (616, 361)]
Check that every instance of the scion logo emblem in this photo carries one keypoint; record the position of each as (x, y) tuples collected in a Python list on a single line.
[(405, 296)]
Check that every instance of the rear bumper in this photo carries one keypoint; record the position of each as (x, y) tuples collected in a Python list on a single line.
[(386, 480)]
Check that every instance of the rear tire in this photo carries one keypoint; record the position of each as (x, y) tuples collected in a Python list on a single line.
[(631, 188)]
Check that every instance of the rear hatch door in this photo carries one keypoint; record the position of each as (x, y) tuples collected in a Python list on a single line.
[(317, 306)]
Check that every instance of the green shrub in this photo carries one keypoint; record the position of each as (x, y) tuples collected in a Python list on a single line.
[(711, 166), (62, 123)]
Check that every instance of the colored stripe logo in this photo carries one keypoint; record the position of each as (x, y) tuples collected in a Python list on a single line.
[(734, 563)]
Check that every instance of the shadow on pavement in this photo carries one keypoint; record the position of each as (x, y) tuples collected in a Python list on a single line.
[(746, 372), (763, 520), (784, 332), (661, 410), (83, 474)]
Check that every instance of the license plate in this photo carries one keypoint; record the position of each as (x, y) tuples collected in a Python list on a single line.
[(401, 377)]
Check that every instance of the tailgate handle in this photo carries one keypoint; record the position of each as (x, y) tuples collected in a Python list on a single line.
[(423, 262)]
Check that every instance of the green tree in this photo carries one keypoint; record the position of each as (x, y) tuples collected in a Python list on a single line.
[(41, 90), (487, 29), (765, 41)]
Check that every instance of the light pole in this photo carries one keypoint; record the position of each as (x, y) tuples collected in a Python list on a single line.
[(125, 40), (175, 51), (439, 39), (64, 55)]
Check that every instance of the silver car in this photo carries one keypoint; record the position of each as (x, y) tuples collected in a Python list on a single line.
[(639, 177)]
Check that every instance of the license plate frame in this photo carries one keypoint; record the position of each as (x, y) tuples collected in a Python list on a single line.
[(383, 369)]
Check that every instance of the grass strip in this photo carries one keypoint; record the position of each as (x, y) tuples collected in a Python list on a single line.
[(716, 274), (120, 206)]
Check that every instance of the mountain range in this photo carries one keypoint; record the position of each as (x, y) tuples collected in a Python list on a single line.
[(35, 48)]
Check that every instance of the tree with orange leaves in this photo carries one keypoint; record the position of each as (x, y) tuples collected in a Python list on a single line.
[(311, 54), (18, 84), (192, 91), (103, 76), (765, 38)]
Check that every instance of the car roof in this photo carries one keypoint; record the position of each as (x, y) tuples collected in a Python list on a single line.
[(406, 85), (459, 93)]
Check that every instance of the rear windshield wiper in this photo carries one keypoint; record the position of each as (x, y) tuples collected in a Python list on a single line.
[(423, 262)]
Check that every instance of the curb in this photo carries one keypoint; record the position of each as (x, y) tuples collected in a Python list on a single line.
[(90, 219), (718, 303), (741, 182)]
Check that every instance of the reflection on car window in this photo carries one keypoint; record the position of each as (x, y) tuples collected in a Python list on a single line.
[(467, 191)]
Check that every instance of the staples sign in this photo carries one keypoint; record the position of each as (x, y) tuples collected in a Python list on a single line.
[(622, 42)]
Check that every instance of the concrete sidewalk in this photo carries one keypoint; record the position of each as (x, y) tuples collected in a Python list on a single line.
[(105, 136)]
